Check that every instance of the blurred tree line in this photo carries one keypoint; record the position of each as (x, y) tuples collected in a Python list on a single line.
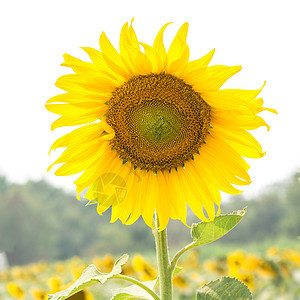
[(39, 221)]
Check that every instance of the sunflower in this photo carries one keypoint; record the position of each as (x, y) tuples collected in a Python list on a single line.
[(156, 133)]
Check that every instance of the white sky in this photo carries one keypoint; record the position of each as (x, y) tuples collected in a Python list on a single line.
[(260, 35)]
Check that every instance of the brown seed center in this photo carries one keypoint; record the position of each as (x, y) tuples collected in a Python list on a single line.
[(159, 121)]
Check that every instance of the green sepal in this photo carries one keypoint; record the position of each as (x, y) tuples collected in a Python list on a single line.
[(207, 232), (226, 288), (89, 277)]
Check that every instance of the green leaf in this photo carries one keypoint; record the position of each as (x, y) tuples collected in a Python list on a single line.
[(177, 270), (126, 296), (226, 288), (89, 277), (133, 292), (207, 232)]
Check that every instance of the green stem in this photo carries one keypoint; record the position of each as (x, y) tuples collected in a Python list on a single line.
[(163, 262), (179, 253), (140, 284)]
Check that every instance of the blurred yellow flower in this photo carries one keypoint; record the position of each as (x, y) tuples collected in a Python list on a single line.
[(251, 262), (60, 268), (97, 261), (17, 272), (192, 260), (272, 251), (108, 262), (215, 266), (249, 280), (235, 261), (55, 284), (292, 256), (180, 282), (265, 269), (127, 269), (38, 294), (15, 290), (144, 269)]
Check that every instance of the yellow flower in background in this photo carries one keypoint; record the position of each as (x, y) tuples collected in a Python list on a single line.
[(251, 263), (235, 261), (180, 282), (97, 261), (60, 268), (38, 294), (127, 269), (108, 262), (214, 266), (17, 272), (55, 284), (15, 290), (143, 268), (156, 131), (273, 252), (291, 256), (265, 269), (248, 280)]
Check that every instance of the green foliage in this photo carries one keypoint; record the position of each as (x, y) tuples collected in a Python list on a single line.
[(64, 227), (207, 232), (226, 288), (89, 277), (38, 221)]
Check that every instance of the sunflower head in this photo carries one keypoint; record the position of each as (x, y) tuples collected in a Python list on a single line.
[(156, 133)]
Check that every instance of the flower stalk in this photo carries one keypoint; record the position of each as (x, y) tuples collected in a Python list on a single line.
[(163, 262)]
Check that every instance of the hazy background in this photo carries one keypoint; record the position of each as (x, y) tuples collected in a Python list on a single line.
[(260, 35)]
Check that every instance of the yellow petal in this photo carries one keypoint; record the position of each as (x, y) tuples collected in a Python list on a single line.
[(78, 162), (154, 58), (179, 65), (163, 201), (158, 44), (149, 203), (103, 165), (132, 38), (199, 187), (214, 176), (82, 101), (80, 67), (80, 135), (178, 47), (211, 78), (237, 135), (112, 57), (221, 100), (142, 65), (200, 63), (178, 196)]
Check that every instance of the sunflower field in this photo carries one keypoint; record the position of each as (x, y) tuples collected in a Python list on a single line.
[(273, 275)]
